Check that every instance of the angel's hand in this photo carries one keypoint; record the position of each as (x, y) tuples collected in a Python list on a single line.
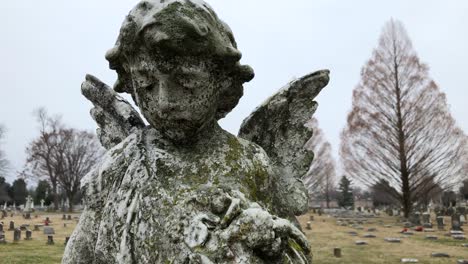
[(115, 117)]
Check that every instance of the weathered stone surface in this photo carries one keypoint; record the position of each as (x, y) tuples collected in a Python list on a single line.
[(183, 190), (409, 260), (48, 230), (440, 255), (392, 240), (361, 243)]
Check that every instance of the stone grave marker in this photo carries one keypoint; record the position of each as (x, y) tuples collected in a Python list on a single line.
[(66, 240), (456, 223), (12, 226), (440, 255), (361, 243), (28, 235), (440, 222), (409, 260), (393, 240), (50, 240), (17, 235), (48, 230), (337, 252)]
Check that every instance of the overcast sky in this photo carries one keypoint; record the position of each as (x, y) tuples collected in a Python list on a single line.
[(48, 46)]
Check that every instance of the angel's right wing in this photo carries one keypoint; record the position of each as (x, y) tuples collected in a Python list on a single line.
[(115, 116)]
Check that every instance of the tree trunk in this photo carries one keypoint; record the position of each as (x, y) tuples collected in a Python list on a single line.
[(56, 198), (70, 204)]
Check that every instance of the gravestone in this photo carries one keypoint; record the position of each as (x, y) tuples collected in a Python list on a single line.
[(180, 63), (456, 223), (28, 235), (66, 240), (64, 217), (415, 218), (409, 260), (393, 240), (1, 228), (426, 220), (50, 240), (440, 255), (17, 235), (2, 238), (309, 226), (337, 252), (47, 230), (12, 226), (440, 223), (69, 217)]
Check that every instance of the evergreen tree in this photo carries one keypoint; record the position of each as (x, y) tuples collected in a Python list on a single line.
[(19, 191), (346, 198), (43, 191)]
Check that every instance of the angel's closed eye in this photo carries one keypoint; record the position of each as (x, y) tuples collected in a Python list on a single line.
[(190, 79)]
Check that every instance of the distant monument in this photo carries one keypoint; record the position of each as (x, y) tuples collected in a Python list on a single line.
[(183, 190)]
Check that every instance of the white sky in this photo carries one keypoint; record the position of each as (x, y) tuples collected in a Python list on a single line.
[(48, 46)]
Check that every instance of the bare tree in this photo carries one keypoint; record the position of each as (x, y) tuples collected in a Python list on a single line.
[(4, 164), (77, 152), (400, 128), (320, 179), (61, 155)]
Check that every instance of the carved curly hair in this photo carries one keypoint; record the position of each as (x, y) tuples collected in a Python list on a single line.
[(172, 31)]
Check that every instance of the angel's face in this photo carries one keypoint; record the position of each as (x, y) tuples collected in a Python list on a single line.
[(179, 103)]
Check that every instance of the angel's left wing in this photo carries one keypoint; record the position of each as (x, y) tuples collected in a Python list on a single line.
[(278, 126), (115, 116)]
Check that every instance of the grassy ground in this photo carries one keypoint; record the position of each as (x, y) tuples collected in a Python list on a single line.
[(326, 235), (35, 251)]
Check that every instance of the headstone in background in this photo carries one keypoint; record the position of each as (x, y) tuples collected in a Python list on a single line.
[(48, 230), (69, 217), (50, 240), (17, 235), (66, 240), (440, 222), (456, 223), (12, 226), (337, 252), (440, 255), (426, 220), (64, 217), (28, 235)]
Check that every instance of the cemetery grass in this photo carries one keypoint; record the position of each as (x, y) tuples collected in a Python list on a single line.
[(326, 235), (36, 250)]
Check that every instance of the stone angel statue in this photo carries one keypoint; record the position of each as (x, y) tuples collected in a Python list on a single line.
[(181, 189)]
